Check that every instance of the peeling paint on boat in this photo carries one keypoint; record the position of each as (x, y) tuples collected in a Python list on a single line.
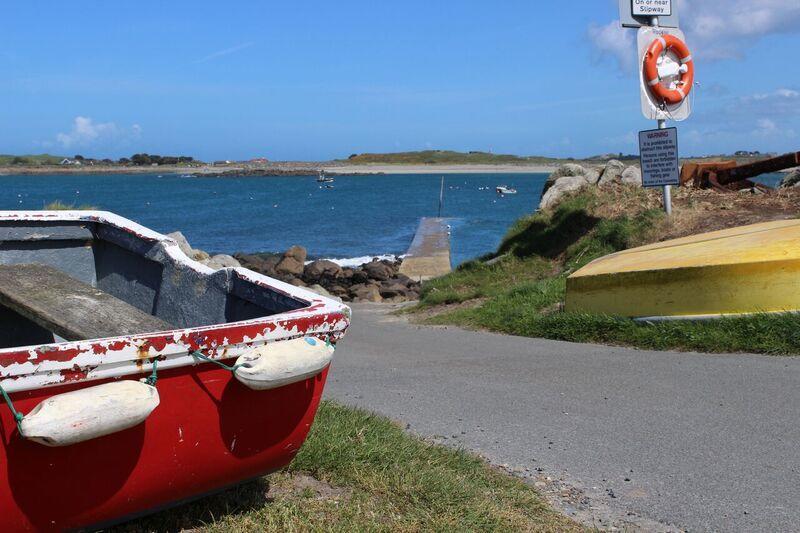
[(45, 365)]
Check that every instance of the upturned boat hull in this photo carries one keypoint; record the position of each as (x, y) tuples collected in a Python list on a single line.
[(743, 270)]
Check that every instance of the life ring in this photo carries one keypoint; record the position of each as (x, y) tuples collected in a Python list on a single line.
[(652, 79)]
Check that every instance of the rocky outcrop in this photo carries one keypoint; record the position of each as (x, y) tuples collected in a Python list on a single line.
[(572, 177), (375, 281), (293, 262), (792, 179)]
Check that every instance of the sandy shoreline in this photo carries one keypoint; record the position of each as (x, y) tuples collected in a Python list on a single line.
[(284, 168)]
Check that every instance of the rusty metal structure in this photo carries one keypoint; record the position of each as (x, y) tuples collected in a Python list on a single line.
[(728, 176)]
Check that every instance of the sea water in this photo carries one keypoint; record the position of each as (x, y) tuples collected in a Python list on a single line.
[(359, 218)]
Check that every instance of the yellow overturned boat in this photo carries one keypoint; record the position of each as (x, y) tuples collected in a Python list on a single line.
[(743, 270)]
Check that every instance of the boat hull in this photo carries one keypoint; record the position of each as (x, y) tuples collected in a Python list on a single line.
[(210, 431), (743, 270)]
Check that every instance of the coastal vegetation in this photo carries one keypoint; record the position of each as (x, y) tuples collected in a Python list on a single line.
[(361, 472), (446, 157), (520, 289), (29, 160)]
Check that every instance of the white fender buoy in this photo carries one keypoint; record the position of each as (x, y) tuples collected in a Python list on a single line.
[(89, 413), (281, 363)]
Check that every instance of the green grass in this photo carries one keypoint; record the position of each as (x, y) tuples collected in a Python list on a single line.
[(445, 157), (368, 474), (30, 160), (523, 293)]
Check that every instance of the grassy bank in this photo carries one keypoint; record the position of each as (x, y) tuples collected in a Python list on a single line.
[(522, 292), (360, 472)]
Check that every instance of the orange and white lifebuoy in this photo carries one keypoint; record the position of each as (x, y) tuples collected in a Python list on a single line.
[(683, 85)]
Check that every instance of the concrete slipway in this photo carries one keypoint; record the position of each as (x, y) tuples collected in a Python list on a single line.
[(648, 440)]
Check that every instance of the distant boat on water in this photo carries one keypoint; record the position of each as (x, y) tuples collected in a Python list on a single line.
[(503, 190), (322, 178)]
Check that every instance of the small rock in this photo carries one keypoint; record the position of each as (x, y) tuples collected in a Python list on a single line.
[(225, 260), (297, 282), (200, 255), (366, 293), (297, 252)]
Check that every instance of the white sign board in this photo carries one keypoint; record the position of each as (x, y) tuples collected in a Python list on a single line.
[(658, 155), (637, 13), (652, 8)]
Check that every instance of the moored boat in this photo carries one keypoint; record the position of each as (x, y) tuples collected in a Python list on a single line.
[(143, 378), (324, 178), (503, 190)]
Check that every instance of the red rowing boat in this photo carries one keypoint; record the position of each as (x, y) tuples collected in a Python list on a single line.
[(125, 423)]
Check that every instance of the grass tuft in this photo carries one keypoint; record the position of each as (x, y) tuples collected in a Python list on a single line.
[(361, 472)]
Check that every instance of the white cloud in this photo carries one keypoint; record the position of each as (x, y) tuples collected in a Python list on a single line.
[(715, 29), (224, 52), (722, 29), (614, 42), (86, 132), (765, 127)]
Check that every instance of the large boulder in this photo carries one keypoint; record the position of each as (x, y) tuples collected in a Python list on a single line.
[(612, 173), (561, 187), (792, 179), (293, 261), (379, 270), (263, 264), (322, 268), (590, 175), (632, 176), (183, 244)]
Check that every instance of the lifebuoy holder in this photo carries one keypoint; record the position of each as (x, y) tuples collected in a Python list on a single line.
[(683, 85)]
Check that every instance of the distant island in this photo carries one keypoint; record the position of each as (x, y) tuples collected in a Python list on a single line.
[(419, 162)]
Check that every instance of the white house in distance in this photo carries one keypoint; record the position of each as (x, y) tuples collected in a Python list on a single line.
[(68, 161)]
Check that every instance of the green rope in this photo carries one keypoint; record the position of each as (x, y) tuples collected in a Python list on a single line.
[(198, 355), (17, 415), (153, 378)]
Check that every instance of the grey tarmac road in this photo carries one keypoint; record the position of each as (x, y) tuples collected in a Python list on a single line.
[(652, 440)]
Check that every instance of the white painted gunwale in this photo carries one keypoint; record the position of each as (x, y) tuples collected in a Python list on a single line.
[(36, 373)]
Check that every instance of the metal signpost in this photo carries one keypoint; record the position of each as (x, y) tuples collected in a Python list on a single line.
[(665, 96)]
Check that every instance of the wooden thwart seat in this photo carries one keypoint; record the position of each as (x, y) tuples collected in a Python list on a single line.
[(69, 308)]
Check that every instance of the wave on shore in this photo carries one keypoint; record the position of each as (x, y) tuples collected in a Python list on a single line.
[(358, 261)]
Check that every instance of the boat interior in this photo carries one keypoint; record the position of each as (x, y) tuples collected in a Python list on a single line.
[(136, 269)]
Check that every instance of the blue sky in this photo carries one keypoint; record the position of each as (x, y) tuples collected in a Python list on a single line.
[(317, 80)]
